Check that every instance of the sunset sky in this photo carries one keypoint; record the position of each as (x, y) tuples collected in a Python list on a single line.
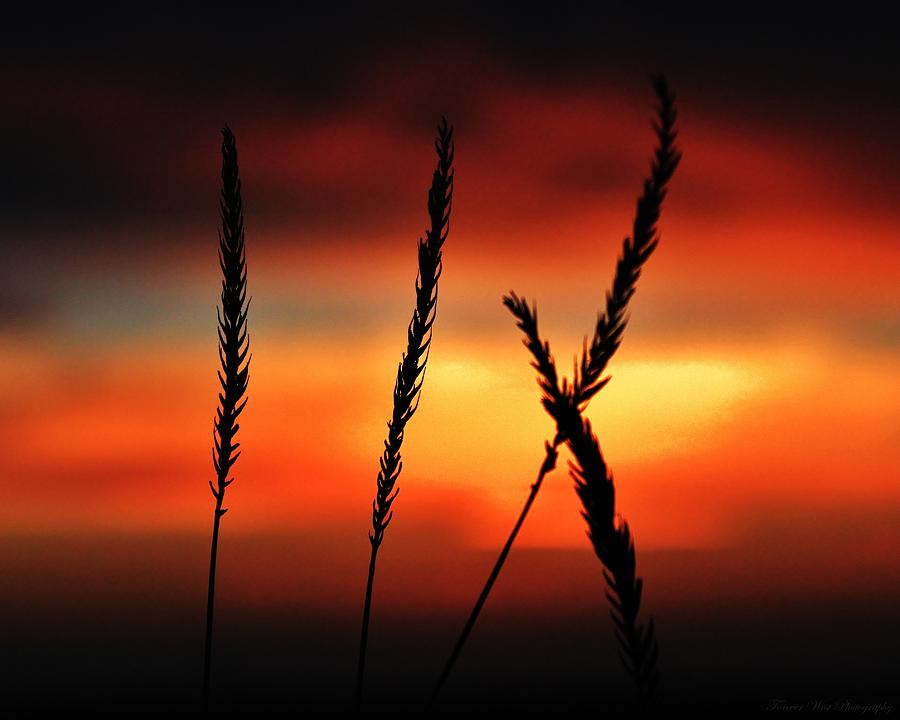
[(754, 407)]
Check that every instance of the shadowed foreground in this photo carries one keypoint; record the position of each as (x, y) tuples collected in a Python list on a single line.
[(101, 622)]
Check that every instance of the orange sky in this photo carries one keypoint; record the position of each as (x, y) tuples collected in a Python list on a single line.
[(752, 422), (758, 373)]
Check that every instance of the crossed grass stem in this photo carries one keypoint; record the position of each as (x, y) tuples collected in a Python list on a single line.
[(564, 401)]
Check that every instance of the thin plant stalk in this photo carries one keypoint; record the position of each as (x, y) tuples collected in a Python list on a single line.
[(234, 346), (411, 370), (547, 466), (565, 401)]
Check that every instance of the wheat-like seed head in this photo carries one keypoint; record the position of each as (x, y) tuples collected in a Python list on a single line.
[(552, 387), (234, 341), (611, 539), (411, 370), (635, 252)]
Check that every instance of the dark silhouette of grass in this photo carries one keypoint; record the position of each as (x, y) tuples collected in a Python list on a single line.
[(234, 346), (565, 401), (609, 534), (635, 251), (612, 541), (546, 466), (411, 371)]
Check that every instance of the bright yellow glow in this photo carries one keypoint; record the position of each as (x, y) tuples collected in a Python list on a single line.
[(656, 407)]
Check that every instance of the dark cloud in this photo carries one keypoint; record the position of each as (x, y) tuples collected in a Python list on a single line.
[(22, 311), (595, 174), (112, 117), (314, 50)]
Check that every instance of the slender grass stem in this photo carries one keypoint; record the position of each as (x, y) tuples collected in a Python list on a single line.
[(210, 601), (546, 467), (364, 634)]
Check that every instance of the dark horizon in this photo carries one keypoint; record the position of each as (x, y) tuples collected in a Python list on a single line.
[(142, 635)]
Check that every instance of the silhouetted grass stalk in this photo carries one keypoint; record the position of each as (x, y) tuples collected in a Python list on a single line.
[(411, 371), (546, 467), (611, 539), (234, 345), (565, 401), (608, 532)]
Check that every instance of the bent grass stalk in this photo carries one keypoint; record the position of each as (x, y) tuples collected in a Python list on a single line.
[(234, 346), (565, 402), (411, 370), (547, 466)]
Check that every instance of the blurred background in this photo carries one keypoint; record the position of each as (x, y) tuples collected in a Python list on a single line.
[(752, 423)]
